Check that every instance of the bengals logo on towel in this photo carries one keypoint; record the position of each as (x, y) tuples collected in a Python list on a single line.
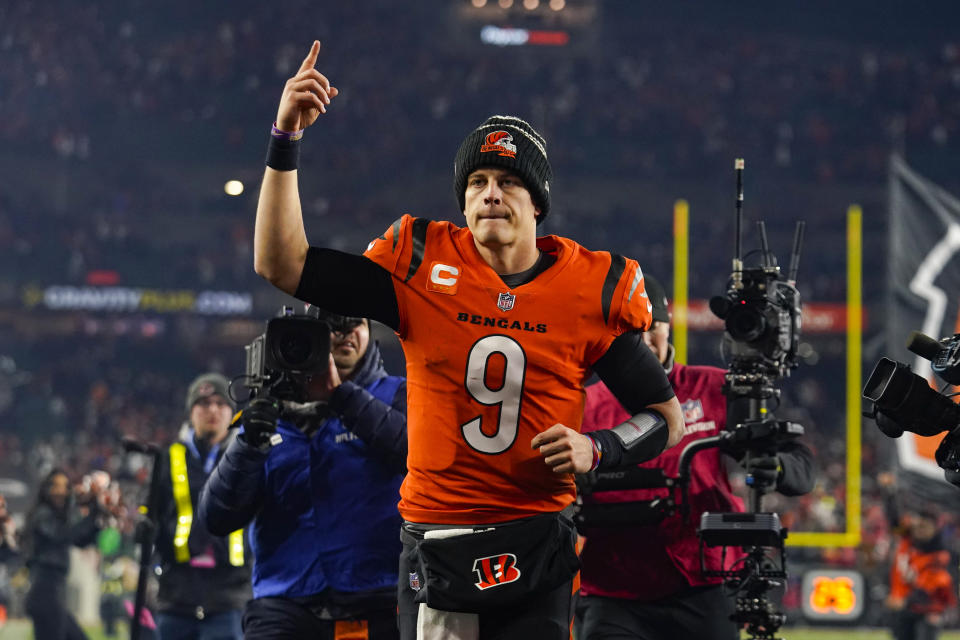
[(493, 571)]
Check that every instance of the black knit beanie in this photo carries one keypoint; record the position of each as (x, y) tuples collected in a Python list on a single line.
[(511, 143), (206, 385)]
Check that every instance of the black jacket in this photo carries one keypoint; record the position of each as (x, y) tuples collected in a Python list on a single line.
[(191, 590), (50, 532)]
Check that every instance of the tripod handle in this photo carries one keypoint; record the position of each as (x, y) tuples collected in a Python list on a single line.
[(146, 530), (686, 459)]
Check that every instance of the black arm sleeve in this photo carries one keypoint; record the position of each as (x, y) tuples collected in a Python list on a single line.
[(633, 374), (348, 284), (642, 437), (799, 474), (382, 426)]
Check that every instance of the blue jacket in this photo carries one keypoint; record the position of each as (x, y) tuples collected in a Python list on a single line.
[(324, 506)]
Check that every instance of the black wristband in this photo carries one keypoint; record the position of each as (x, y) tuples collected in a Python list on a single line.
[(610, 449), (283, 155)]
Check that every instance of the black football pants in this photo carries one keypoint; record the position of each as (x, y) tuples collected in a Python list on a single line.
[(283, 619), (700, 612), (47, 606)]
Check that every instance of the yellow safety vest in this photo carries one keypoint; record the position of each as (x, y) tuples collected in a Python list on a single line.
[(181, 495)]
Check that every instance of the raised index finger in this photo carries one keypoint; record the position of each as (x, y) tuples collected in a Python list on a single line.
[(311, 60)]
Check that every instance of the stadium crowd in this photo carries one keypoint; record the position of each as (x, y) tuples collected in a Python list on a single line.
[(824, 113)]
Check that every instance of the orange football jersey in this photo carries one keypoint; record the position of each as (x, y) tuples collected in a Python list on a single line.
[(489, 367)]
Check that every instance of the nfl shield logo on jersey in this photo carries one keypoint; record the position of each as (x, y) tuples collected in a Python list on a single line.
[(505, 302), (415, 581), (692, 411)]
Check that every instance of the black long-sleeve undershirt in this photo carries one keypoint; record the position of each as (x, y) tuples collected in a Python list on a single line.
[(349, 284), (633, 374)]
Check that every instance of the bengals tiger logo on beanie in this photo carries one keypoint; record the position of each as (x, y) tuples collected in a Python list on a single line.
[(510, 143)]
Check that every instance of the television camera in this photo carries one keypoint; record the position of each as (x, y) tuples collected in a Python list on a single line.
[(294, 349), (904, 401)]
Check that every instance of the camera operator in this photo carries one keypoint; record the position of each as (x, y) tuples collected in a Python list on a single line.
[(53, 525), (205, 577), (644, 581), (322, 497)]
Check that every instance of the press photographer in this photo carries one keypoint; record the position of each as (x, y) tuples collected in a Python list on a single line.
[(902, 401), (646, 576), (316, 467)]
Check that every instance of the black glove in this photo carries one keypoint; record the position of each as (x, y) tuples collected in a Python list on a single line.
[(948, 453), (886, 424), (763, 471), (259, 421)]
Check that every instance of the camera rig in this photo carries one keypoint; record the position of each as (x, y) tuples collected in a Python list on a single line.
[(761, 310)]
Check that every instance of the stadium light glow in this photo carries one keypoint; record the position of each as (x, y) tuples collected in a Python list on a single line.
[(505, 4), (233, 187), (479, 3), (558, 5), (531, 5)]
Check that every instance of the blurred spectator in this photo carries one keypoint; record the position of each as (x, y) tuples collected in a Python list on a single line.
[(54, 524), (921, 585), (9, 553)]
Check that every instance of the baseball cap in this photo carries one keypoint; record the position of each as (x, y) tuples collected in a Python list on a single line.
[(657, 297)]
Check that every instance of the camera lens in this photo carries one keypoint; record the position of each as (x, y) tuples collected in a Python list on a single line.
[(745, 323), (296, 345), (295, 348)]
